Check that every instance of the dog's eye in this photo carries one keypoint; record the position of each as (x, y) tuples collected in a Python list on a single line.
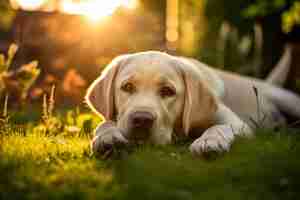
[(167, 92), (128, 87)]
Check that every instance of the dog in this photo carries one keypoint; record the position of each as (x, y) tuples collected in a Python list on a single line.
[(152, 96)]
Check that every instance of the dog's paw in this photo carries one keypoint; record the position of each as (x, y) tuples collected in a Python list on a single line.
[(216, 139), (107, 138)]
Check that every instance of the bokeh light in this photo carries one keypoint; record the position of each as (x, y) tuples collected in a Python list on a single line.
[(28, 4), (95, 10)]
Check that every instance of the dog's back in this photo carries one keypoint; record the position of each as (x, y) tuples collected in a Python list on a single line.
[(259, 101)]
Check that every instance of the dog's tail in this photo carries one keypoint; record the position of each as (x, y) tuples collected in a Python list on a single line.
[(280, 72)]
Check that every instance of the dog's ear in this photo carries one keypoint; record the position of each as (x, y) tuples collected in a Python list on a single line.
[(100, 95), (200, 104)]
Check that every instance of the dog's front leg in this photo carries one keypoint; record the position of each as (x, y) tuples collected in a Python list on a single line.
[(219, 137), (107, 136)]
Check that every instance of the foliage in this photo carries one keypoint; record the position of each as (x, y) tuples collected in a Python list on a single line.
[(218, 11), (237, 52), (4, 118), (49, 124), (240, 12), (291, 17), (244, 16), (5, 63), (74, 123), (263, 8), (224, 32), (58, 167), (7, 15), (16, 81)]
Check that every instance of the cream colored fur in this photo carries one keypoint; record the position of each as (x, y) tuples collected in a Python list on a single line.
[(216, 105)]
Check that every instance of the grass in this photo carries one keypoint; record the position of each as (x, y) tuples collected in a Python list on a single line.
[(35, 166)]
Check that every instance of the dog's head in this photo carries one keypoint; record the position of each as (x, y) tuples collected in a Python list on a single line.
[(150, 95)]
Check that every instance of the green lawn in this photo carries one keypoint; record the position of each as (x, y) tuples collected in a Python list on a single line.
[(61, 167)]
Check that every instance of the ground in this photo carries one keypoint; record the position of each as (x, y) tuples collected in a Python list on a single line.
[(36, 166)]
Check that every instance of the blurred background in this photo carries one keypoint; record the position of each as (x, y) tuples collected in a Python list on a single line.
[(71, 41)]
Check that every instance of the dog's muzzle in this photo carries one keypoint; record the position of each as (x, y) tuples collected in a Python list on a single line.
[(140, 124), (142, 120)]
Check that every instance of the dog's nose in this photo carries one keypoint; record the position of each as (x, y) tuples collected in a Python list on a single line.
[(142, 120)]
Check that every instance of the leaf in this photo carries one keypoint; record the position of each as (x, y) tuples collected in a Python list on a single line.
[(287, 22), (13, 48), (2, 63), (251, 11), (279, 3), (33, 64)]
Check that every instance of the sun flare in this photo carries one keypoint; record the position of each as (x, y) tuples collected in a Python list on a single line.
[(95, 10), (27, 4)]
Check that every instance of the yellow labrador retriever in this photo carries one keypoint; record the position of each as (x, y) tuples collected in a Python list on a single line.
[(153, 95)]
